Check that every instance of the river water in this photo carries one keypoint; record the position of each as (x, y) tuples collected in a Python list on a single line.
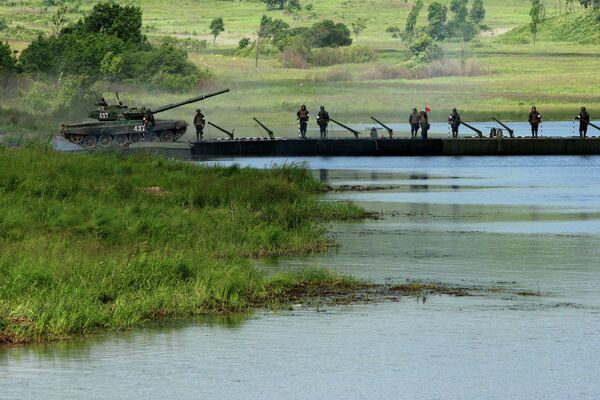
[(514, 223)]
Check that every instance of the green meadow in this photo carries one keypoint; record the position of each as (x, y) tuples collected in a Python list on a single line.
[(498, 74), (106, 241)]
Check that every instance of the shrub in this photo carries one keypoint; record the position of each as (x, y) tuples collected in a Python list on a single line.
[(329, 34), (331, 56), (293, 57), (175, 82), (424, 50), (337, 75), (243, 43)]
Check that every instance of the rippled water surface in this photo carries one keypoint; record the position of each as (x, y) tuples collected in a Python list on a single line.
[(522, 223)]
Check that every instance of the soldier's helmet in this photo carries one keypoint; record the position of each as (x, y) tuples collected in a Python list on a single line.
[(415, 109), (322, 108), (533, 108), (454, 110), (582, 108)]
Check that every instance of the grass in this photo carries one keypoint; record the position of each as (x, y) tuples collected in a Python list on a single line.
[(95, 242), (558, 76)]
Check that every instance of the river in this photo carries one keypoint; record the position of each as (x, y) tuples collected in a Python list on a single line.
[(519, 223)]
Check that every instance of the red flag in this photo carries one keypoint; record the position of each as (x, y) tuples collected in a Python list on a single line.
[(427, 109)]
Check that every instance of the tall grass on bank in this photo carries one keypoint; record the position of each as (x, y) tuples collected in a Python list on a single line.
[(91, 242)]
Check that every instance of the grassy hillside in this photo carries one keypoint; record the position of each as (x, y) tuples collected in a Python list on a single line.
[(577, 28), (501, 77)]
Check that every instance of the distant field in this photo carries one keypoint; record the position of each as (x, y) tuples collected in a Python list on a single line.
[(557, 76)]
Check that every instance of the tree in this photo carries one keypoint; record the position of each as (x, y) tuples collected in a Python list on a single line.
[(275, 4), (460, 26), (293, 6), (424, 49), (477, 13), (8, 63), (271, 29), (216, 27), (111, 65), (329, 34), (536, 16), (358, 26), (124, 22), (59, 19), (411, 20), (436, 15)]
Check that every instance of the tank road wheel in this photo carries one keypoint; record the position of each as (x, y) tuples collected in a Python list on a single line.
[(121, 140), (77, 139), (105, 140), (168, 136), (90, 142), (135, 138)]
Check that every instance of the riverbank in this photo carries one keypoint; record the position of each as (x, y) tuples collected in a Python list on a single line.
[(108, 241)]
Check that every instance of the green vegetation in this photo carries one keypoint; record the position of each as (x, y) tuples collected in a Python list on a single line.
[(576, 28), (108, 42), (105, 241), (497, 73)]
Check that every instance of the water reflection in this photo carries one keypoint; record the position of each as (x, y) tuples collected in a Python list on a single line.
[(525, 223)]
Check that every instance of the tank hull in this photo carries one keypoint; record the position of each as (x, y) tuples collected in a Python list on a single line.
[(120, 133)]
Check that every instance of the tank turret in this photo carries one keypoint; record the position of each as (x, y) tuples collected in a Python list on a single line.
[(116, 112)]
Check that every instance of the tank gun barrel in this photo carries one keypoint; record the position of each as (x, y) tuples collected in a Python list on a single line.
[(510, 131), (472, 128), (355, 132), (188, 101), (230, 134), (270, 132), (390, 130)]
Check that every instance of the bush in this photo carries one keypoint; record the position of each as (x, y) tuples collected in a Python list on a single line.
[(424, 50), (175, 82), (331, 56), (67, 97), (264, 49), (328, 34), (292, 57), (243, 43), (293, 6)]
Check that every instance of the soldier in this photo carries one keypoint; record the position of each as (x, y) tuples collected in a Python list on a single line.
[(454, 121), (148, 126), (413, 120), (302, 117), (424, 123), (102, 103), (584, 120), (535, 119), (323, 121), (199, 123)]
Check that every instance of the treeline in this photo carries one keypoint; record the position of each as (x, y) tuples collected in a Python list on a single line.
[(108, 44), (465, 25)]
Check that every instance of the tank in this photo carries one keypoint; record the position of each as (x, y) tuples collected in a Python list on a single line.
[(119, 125)]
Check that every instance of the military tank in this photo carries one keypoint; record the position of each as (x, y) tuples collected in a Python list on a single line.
[(119, 125)]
